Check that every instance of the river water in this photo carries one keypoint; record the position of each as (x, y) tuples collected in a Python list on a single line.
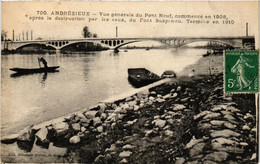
[(83, 80)]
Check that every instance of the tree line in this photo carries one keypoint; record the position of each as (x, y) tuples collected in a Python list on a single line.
[(87, 34)]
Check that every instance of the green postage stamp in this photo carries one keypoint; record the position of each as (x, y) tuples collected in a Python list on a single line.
[(241, 71)]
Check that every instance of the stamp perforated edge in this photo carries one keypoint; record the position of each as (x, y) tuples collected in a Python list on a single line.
[(224, 74)]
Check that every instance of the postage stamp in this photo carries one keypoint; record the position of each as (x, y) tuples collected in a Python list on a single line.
[(241, 71)]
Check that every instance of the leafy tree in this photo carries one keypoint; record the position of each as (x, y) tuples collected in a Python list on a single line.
[(86, 33), (3, 35)]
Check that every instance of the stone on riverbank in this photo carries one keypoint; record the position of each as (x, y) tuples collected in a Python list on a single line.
[(246, 127), (202, 114), (224, 141), (26, 139), (197, 149), (99, 159), (125, 154), (193, 142), (9, 139), (76, 127), (178, 107), (128, 146), (228, 149), (61, 128), (74, 140), (178, 88), (160, 123), (26, 134), (211, 116), (224, 133), (41, 135), (112, 148), (90, 114), (217, 156), (123, 161), (120, 110), (100, 129), (143, 93), (180, 160), (96, 121), (217, 122)]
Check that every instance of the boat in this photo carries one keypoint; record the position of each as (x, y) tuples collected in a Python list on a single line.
[(207, 54), (34, 70), (168, 74), (139, 77)]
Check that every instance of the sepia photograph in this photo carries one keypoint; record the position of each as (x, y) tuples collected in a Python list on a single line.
[(130, 82)]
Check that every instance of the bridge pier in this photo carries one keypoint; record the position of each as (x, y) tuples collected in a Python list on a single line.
[(58, 51), (116, 50)]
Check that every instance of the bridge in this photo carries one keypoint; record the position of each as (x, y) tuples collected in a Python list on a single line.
[(242, 42)]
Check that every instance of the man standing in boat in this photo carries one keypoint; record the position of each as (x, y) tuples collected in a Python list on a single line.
[(44, 62)]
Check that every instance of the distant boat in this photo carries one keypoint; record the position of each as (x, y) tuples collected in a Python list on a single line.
[(207, 54), (34, 70), (139, 77), (168, 74)]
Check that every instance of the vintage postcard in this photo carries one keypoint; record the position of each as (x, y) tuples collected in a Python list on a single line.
[(129, 82)]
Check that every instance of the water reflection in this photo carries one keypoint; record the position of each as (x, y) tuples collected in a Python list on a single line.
[(114, 53), (86, 68), (42, 80), (84, 80), (15, 75)]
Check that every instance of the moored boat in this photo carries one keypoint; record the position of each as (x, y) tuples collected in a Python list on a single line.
[(139, 77), (34, 70), (168, 74)]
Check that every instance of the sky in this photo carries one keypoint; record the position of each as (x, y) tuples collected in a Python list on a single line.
[(15, 16)]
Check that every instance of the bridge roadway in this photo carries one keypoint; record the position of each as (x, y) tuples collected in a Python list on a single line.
[(115, 43)]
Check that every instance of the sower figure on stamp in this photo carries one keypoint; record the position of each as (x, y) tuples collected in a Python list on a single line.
[(44, 62), (239, 68)]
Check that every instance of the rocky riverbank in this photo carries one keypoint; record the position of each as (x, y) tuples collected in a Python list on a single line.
[(185, 120), (189, 121)]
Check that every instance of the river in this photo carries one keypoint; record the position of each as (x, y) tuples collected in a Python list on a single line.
[(83, 80)]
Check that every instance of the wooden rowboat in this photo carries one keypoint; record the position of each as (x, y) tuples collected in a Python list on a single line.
[(139, 77), (34, 70)]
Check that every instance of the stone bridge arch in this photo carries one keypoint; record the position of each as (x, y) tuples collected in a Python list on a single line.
[(129, 42), (228, 43), (178, 42), (22, 45), (68, 43)]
